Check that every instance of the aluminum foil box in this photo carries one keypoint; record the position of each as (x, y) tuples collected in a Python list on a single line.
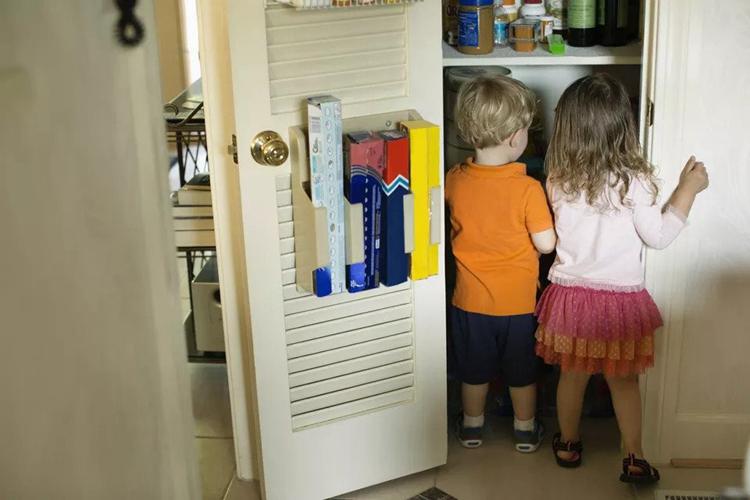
[(394, 259), (326, 186), (364, 176)]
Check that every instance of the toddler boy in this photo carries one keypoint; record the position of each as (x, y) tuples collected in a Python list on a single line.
[(499, 220)]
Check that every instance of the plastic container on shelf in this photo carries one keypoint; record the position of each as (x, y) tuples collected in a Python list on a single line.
[(533, 9), (556, 44), (524, 34), (476, 26), (582, 27)]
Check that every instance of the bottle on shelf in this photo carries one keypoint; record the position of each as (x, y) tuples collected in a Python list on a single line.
[(582, 26), (450, 22), (533, 9), (511, 9), (614, 22), (558, 9), (634, 20), (502, 21)]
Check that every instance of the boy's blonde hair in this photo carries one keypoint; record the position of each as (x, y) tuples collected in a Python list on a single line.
[(489, 110)]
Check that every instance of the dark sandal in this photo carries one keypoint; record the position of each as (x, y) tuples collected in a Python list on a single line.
[(570, 446), (646, 474)]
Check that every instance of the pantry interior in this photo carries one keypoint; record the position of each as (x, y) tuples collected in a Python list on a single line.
[(400, 38), (548, 75)]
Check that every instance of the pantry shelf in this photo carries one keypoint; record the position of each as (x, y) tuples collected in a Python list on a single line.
[(586, 56)]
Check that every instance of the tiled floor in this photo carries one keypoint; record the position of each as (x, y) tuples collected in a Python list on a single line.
[(213, 428), (493, 472)]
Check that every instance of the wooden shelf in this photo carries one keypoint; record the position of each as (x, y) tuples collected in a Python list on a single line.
[(586, 56)]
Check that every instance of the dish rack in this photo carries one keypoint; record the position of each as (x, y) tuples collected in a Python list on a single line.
[(338, 4)]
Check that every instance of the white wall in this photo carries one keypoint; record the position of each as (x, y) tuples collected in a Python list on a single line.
[(94, 402)]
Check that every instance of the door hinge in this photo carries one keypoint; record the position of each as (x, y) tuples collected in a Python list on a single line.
[(649, 112), (232, 150)]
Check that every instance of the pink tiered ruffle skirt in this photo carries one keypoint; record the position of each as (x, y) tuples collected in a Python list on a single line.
[(597, 331)]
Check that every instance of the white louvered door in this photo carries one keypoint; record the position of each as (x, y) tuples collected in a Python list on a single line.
[(350, 388)]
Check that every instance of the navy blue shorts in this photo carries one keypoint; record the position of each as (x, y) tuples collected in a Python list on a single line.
[(487, 346)]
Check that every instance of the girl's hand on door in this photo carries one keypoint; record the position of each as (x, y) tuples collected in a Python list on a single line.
[(694, 176)]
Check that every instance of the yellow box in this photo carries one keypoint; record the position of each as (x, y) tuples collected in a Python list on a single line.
[(424, 160)]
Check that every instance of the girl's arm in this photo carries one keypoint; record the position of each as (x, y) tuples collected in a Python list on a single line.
[(659, 227), (693, 180)]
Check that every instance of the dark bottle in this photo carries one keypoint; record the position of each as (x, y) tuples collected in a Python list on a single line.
[(634, 20), (582, 27), (613, 22)]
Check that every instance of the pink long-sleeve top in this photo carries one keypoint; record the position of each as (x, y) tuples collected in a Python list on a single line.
[(603, 249)]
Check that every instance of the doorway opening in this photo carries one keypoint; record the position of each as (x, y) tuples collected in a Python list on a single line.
[(192, 203), (548, 83)]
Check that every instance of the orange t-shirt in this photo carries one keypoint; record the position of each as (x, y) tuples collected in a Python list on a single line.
[(493, 210)]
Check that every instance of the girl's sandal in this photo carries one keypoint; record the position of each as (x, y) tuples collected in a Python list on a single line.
[(571, 447), (637, 470)]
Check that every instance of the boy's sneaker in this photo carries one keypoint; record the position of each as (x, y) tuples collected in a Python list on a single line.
[(529, 441), (469, 437)]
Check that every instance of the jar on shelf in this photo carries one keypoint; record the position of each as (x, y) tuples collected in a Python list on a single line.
[(476, 26), (546, 28)]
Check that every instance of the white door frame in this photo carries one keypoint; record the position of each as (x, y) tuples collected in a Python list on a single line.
[(218, 98)]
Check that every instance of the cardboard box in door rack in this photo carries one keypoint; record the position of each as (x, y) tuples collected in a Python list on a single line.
[(394, 175)]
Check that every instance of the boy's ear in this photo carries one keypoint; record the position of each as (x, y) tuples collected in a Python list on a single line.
[(513, 139)]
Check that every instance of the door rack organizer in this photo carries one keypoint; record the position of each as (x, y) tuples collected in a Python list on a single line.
[(339, 4), (310, 222)]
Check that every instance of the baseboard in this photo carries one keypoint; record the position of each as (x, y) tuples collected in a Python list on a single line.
[(706, 463)]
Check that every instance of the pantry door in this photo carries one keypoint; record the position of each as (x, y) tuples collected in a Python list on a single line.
[(350, 388), (698, 395)]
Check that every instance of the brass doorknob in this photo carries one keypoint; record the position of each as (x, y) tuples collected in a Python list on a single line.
[(268, 148)]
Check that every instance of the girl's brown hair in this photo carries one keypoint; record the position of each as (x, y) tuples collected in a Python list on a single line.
[(594, 143)]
